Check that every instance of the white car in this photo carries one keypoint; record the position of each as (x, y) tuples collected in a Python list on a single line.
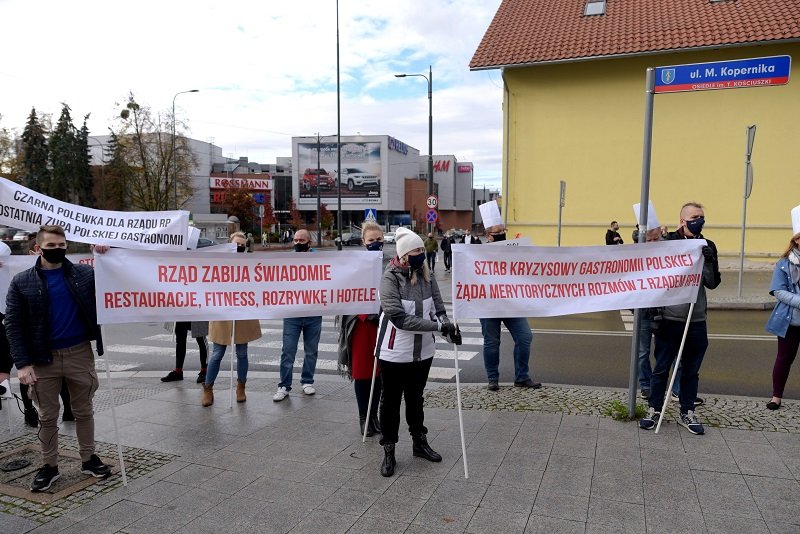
[(388, 237), (353, 178)]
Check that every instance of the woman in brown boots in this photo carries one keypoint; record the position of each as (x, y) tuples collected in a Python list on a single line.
[(219, 333)]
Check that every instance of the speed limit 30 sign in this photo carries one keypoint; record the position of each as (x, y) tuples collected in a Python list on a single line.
[(432, 202)]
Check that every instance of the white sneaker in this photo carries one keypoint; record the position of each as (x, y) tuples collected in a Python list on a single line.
[(281, 394), (308, 389)]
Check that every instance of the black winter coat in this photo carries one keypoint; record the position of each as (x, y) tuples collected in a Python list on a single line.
[(28, 312)]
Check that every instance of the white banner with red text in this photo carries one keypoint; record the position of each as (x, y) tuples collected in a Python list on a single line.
[(141, 286), (26, 209), (550, 281)]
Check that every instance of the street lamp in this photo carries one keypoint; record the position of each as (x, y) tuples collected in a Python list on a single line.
[(174, 159), (429, 79)]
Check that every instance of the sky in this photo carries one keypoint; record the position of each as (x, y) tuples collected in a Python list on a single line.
[(265, 71)]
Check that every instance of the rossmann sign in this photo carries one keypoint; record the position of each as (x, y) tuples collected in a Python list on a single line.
[(252, 184)]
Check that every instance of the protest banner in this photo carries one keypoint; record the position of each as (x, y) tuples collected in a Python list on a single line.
[(26, 209), (141, 286), (550, 281)]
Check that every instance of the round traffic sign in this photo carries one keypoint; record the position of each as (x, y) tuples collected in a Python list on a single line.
[(432, 202), (431, 216)]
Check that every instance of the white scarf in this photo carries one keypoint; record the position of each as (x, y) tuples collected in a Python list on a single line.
[(794, 266)]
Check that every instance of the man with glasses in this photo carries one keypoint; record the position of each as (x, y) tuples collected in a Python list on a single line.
[(310, 327)]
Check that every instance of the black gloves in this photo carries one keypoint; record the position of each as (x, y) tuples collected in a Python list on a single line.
[(452, 333), (708, 254)]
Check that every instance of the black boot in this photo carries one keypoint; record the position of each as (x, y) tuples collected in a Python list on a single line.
[(423, 450), (362, 419), (373, 427), (389, 463)]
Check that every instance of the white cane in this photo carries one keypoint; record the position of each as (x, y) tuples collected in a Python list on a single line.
[(233, 355), (369, 405), (675, 369), (458, 401), (114, 414)]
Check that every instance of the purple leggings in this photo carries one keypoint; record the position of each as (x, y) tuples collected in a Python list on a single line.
[(787, 351)]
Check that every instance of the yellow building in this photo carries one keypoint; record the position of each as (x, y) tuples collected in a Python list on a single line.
[(574, 103)]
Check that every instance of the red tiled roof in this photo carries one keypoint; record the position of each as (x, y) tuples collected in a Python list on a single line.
[(540, 31)]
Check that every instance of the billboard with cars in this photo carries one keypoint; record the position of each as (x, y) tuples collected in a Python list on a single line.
[(360, 178)]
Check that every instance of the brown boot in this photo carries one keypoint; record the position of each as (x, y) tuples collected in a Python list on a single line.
[(240, 396), (208, 395)]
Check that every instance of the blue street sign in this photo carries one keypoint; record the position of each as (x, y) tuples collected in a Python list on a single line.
[(431, 216), (753, 72), (370, 214)]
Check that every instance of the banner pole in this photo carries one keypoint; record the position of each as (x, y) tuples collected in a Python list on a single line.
[(369, 404), (233, 356), (458, 406), (114, 414), (668, 395)]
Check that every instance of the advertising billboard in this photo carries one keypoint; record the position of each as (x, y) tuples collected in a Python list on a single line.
[(360, 178)]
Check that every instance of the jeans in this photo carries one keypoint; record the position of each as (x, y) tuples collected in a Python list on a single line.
[(216, 357), (431, 260), (645, 339), (403, 380), (448, 259), (521, 334), (311, 328), (668, 341)]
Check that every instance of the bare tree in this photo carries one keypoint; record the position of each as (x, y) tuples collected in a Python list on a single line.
[(145, 144)]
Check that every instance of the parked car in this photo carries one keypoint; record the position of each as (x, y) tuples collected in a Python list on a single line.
[(349, 239), (352, 178), (24, 235), (7, 234), (388, 237), (205, 242), (310, 177)]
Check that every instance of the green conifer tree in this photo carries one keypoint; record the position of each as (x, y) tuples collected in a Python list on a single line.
[(35, 171)]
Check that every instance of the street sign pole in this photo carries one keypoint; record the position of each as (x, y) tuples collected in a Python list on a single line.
[(748, 188), (562, 197)]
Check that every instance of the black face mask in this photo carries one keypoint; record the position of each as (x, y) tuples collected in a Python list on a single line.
[(54, 255), (375, 246), (301, 247), (499, 237), (416, 262), (241, 248), (696, 225)]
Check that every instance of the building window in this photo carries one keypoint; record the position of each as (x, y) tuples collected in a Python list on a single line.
[(594, 7)]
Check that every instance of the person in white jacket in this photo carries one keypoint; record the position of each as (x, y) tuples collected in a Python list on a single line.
[(412, 311)]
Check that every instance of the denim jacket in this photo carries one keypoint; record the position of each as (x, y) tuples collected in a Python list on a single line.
[(781, 316)]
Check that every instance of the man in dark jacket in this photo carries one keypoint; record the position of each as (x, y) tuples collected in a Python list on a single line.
[(670, 332), (612, 234), (447, 251), (51, 318)]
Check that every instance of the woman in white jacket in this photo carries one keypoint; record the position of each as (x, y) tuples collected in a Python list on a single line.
[(412, 311)]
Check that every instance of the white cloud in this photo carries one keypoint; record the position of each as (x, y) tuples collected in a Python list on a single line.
[(266, 70)]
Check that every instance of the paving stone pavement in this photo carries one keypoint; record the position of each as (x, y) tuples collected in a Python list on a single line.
[(539, 461)]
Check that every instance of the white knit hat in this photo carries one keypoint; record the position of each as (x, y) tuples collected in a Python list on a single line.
[(406, 241), (796, 220)]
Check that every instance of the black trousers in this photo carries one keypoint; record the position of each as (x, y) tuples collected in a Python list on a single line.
[(181, 332), (403, 380)]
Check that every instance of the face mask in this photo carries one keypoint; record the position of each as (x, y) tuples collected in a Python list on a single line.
[(54, 255), (416, 262), (499, 237), (696, 225), (301, 247), (375, 246), (241, 248)]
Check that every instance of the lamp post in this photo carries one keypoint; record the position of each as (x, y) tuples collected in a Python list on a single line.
[(175, 159), (338, 140), (429, 79)]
